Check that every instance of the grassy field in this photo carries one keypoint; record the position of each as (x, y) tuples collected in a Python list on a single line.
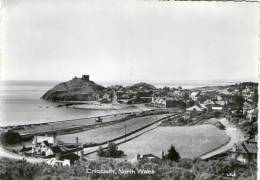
[(108, 133), (190, 142)]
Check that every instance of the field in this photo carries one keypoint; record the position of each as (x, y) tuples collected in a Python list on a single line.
[(190, 142), (108, 133)]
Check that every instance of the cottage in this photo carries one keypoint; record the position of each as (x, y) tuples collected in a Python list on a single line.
[(252, 114), (208, 102), (41, 144), (216, 108), (63, 159), (244, 152), (159, 102), (186, 116), (246, 107), (220, 102), (148, 157), (55, 162), (56, 150), (40, 139), (197, 107), (194, 95)]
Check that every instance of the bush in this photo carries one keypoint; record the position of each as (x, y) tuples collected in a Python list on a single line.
[(112, 151), (10, 138), (173, 155)]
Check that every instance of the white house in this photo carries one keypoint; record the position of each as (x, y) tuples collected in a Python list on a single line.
[(40, 139), (55, 162), (198, 107), (208, 102), (159, 102), (194, 95), (244, 152), (41, 144), (215, 108), (251, 114)]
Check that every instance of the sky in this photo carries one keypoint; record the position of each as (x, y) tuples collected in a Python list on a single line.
[(128, 40)]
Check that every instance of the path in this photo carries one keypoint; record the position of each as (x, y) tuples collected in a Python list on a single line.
[(7, 154), (236, 135)]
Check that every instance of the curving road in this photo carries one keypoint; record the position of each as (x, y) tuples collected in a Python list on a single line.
[(7, 154), (236, 135)]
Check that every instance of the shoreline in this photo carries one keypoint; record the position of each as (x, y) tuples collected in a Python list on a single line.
[(128, 111), (78, 125)]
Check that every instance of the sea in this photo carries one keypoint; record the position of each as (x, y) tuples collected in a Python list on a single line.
[(21, 103)]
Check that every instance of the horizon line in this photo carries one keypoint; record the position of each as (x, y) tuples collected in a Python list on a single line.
[(149, 81)]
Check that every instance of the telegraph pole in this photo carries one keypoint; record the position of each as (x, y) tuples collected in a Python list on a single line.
[(125, 132)]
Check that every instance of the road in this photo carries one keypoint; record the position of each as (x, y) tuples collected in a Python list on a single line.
[(7, 154), (236, 135)]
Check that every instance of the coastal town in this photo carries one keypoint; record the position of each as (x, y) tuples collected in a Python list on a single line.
[(214, 109)]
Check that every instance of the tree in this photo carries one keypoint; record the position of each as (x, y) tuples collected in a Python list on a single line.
[(173, 155), (239, 100), (10, 137), (112, 151), (255, 96)]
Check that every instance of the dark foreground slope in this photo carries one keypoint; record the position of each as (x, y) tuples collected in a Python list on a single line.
[(184, 169)]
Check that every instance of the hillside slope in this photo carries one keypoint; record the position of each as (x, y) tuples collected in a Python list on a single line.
[(77, 89)]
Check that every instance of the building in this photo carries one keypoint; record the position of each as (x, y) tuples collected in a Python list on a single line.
[(39, 139), (186, 116), (194, 95), (41, 144), (217, 108), (159, 102), (148, 157), (244, 152), (252, 114), (197, 107), (55, 162)]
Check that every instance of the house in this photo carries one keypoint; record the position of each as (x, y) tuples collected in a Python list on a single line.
[(217, 108), (56, 150), (55, 162), (39, 139), (186, 116), (159, 102), (244, 152), (106, 98), (194, 95), (208, 102), (61, 150), (41, 144), (246, 107), (148, 157), (220, 102), (252, 114), (197, 107)]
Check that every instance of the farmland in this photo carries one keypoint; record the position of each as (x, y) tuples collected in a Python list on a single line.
[(190, 142), (108, 133)]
